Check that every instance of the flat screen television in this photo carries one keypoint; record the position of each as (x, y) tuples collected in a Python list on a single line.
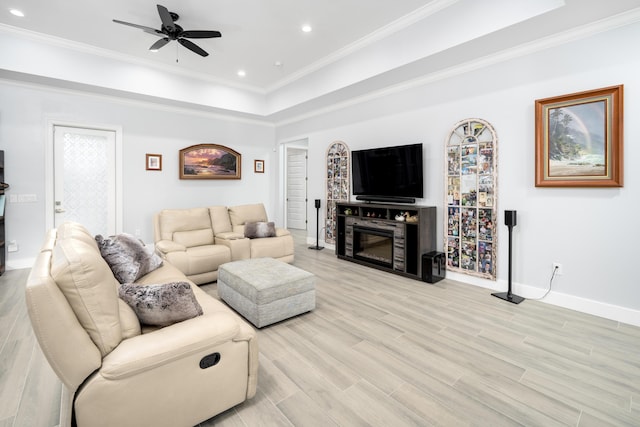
[(388, 174)]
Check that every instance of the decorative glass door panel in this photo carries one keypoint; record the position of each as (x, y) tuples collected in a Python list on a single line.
[(470, 228), (338, 185)]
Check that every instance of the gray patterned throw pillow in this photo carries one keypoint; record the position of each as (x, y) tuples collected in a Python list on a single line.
[(127, 257), (255, 230), (162, 304)]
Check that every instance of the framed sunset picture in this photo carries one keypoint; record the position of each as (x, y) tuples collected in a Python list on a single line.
[(210, 161)]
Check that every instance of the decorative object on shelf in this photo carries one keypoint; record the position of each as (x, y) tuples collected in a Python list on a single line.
[(210, 161), (258, 166), (509, 221), (338, 185), (400, 217), (317, 246), (579, 139), (471, 198), (154, 162)]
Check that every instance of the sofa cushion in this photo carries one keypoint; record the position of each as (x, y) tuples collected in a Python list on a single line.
[(193, 238), (129, 323), (240, 215), (161, 304), (256, 230), (176, 220), (88, 284), (127, 257)]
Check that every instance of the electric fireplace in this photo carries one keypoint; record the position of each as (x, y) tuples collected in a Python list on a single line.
[(373, 245)]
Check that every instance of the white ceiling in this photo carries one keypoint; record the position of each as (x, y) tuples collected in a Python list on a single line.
[(356, 46), (255, 33)]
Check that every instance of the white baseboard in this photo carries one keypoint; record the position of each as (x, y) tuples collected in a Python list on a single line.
[(584, 305)]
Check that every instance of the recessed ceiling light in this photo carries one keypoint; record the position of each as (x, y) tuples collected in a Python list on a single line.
[(306, 28), (277, 64), (16, 12), (241, 73)]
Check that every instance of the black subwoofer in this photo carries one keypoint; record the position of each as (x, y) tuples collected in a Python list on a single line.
[(433, 267)]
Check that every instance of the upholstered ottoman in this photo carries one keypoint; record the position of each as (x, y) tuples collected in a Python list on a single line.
[(265, 290)]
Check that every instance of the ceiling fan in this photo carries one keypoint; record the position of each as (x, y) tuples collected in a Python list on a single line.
[(172, 31)]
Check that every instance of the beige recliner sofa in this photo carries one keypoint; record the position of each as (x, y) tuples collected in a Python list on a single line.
[(116, 372), (198, 240)]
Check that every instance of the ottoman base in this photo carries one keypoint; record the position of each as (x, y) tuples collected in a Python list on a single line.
[(265, 298)]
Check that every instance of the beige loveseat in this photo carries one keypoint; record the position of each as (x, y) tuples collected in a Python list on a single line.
[(116, 372), (198, 240)]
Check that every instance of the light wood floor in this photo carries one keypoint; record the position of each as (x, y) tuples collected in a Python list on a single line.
[(383, 350)]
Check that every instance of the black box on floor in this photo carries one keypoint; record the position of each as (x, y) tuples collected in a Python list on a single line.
[(433, 267)]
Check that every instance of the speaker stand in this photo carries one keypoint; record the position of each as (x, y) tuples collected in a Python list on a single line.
[(317, 247), (509, 296)]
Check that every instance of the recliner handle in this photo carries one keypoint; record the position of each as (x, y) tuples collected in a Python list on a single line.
[(209, 360)]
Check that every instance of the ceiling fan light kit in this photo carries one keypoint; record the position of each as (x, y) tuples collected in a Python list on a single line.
[(170, 31)]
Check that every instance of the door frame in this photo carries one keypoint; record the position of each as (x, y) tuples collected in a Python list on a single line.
[(302, 144), (50, 173), (306, 185)]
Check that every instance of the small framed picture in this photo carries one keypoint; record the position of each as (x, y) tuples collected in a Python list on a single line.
[(154, 162), (258, 166)]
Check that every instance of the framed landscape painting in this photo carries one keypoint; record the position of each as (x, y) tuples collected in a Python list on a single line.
[(579, 139), (210, 161)]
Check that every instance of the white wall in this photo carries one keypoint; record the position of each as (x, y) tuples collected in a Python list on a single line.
[(590, 231), (24, 111)]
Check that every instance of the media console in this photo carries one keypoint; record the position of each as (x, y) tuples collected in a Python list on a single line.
[(388, 237)]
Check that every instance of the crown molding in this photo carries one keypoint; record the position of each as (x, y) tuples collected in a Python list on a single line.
[(109, 54), (578, 33), (381, 33)]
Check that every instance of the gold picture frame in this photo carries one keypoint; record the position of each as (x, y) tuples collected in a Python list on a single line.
[(579, 139), (210, 161)]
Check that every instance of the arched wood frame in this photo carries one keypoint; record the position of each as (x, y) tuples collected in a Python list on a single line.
[(471, 199), (338, 185)]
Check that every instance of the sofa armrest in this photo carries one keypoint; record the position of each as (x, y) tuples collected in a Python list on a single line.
[(239, 245), (166, 246), (282, 232), (148, 351)]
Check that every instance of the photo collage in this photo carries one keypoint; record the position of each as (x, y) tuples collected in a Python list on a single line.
[(338, 188), (470, 193)]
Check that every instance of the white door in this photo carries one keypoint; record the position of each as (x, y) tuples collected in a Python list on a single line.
[(296, 188), (84, 164)]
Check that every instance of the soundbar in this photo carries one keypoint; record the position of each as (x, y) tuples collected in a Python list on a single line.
[(386, 199)]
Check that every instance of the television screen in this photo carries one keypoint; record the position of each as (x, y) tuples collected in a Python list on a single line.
[(388, 171)]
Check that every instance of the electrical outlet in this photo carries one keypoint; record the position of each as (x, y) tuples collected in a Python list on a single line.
[(557, 267), (138, 234), (12, 246)]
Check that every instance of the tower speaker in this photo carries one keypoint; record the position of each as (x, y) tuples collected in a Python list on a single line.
[(510, 218), (510, 222), (317, 246)]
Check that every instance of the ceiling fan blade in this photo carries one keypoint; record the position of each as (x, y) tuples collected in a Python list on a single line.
[(157, 45), (142, 27), (200, 34), (165, 16), (192, 47)]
